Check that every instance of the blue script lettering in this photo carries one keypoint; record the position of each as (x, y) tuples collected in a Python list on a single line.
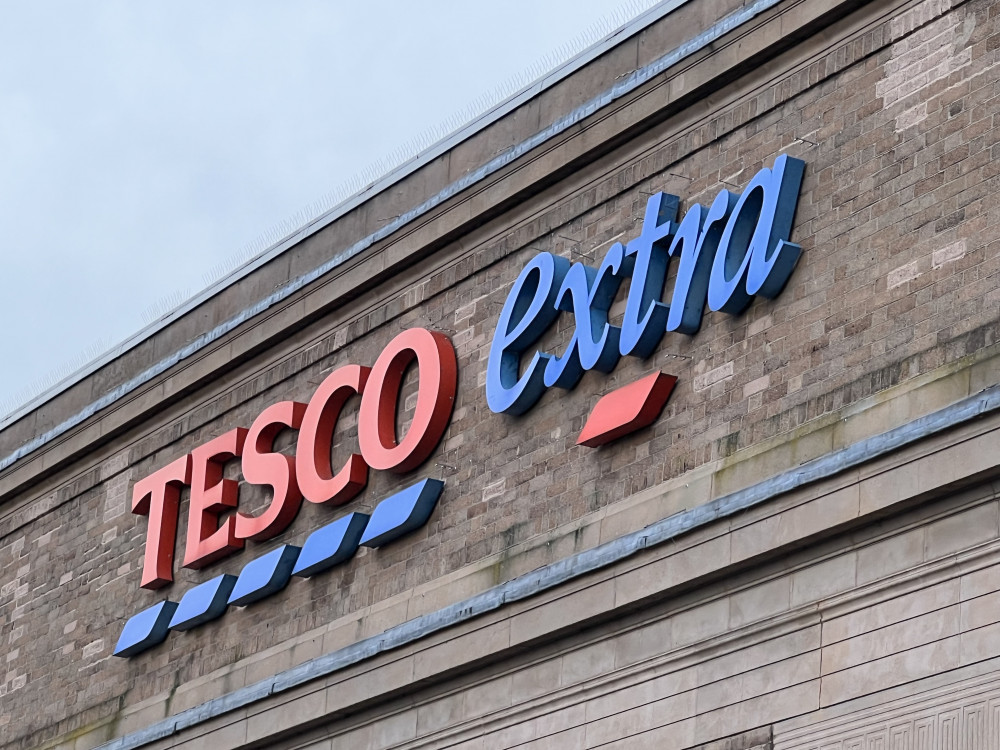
[(736, 249)]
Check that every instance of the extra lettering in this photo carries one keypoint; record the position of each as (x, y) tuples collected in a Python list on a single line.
[(736, 249)]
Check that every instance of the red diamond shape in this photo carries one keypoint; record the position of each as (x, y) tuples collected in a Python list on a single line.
[(627, 409)]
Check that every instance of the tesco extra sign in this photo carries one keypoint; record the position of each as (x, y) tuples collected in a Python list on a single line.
[(726, 254)]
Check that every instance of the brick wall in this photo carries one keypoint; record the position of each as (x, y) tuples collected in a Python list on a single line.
[(899, 275)]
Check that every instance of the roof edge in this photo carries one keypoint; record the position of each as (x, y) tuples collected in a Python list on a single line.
[(324, 219), (622, 87)]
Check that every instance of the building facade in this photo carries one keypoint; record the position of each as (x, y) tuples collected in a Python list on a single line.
[(658, 408)]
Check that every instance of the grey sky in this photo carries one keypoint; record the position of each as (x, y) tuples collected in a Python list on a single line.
[(143, 143)]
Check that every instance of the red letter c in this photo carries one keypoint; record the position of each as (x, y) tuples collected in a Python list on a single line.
[(312, 454)]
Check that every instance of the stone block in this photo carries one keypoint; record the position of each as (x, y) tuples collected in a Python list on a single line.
[(486, 697), (563, 611), (440, 714), (538, 679), (871, 676), (824, 579), (889, 556), (394, 729), (631, 720), (962, 530), (345, 690), (980, 582), (638, 644), (701, 622), (892, 639), (759, 602), (295, 710), (686, 564), (980, 612), (461, 648), (582, 664), (870, 617)]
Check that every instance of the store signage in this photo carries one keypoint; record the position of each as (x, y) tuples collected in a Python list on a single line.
[(737, 248), (306, 475), (726, 254)]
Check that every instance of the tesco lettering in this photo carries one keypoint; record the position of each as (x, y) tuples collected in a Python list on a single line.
[(736, 248), (308, 474)]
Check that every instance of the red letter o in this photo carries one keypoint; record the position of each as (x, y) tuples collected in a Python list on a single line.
[(438, 368)]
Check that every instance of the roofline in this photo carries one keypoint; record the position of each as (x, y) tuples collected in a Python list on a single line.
[(620, 88), (326, 218)]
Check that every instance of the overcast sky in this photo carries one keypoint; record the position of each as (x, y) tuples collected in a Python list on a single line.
[(144, 143)]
